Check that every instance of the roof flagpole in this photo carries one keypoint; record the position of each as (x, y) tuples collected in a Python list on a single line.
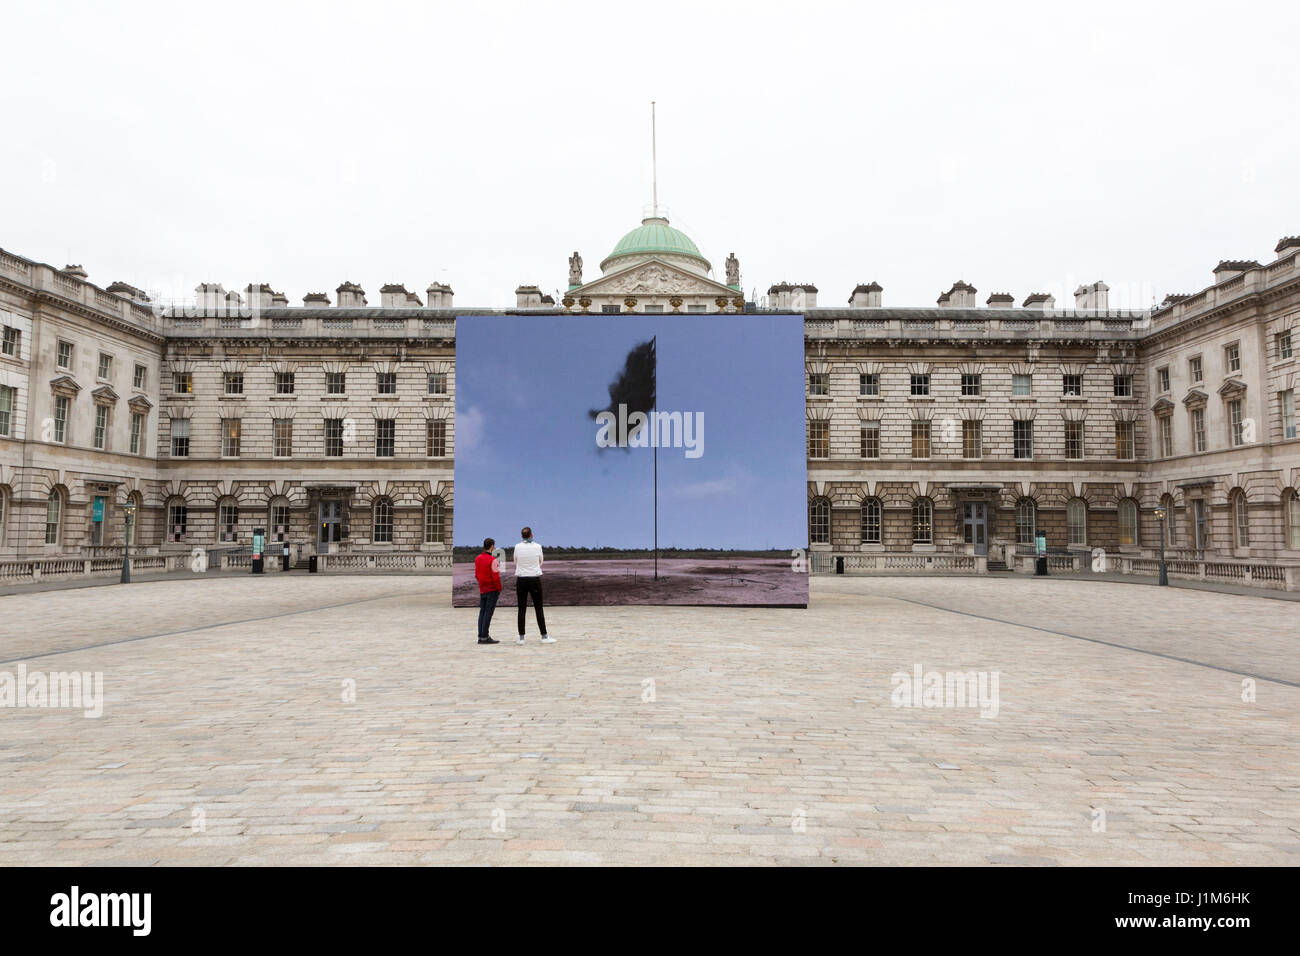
[(654, 163)]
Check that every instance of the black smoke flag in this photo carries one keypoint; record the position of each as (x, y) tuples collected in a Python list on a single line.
[(634, 390)]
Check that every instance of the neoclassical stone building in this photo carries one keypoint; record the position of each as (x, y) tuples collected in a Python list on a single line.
[(960, 429)]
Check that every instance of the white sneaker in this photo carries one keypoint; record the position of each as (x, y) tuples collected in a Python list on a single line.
[(548, 640), (521, 638)]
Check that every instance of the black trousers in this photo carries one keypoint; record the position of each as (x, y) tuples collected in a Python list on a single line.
[(523, 588)]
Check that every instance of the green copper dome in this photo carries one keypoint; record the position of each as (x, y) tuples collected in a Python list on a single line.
[(655, 237)]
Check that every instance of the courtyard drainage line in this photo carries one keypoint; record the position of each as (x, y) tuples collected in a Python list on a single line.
[(201, 627), (1097, 640)]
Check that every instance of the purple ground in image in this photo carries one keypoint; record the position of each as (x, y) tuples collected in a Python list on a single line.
[(740, 581)]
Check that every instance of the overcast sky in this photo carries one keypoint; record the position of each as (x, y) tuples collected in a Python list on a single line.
[(1020, 147)]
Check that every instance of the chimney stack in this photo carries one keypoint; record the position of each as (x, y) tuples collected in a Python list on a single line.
[(315, 300), (1001, 300), (960, 296), (1041, 301), (866, 296), (394, 296), (1287, 245), (351, 296), (260, 296), (439, 295), (528, 297), (1231, 268)]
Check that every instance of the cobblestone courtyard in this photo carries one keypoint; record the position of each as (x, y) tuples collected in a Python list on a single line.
[(652, 735)]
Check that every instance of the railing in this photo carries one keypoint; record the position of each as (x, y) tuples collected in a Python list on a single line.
[(45, 569), (825, 562), (385, 561)]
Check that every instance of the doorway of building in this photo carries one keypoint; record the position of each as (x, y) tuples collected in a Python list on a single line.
[(330, 526), (974, 525)]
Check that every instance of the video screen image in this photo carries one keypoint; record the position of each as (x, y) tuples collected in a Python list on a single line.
[(657, 459)]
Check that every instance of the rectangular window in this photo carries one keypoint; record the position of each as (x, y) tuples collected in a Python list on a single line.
[(230, 429), (869, 384), (1123, 386), (180, 438), (228, 522), (336, 383), (920, 385), (1198, 429), (610, 309), (101, 427), (9, 343), (1162, 379), (234, 383), (279, 522), (1072, 385), (1236, 430), (971, 439), (1124, 443), (334, 438), (1195, 369), (1166, 436), (437, 383), (284, 383), (140, 376), (1286, 402), (1284, 345), (697, 308), (1022, 384), (8, 398), (920, 439), (386, 383), (65, 355), (385, 437), (183, 383), (435, 434), (178, 519), (654, 308), (1074, 440), (819, 439), (1022, 438), (282, 438), (60, 418), (1232, 357), (105, 369), (819, 383), (970, 384), (870, 440), (137, 433)]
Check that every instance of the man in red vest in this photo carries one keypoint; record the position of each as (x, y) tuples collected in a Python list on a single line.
[(487, 570)]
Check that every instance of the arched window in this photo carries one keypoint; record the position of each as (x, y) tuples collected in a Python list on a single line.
[(435, 521), (1240, 520), (1026, 521), (819, 521), (1076, 517), (1128, 521), (277, 523), (228, 520), (1171, 521), (54, 517), (871, 521), (178, 519), (1292, 519), (383, 515), (922, 521)]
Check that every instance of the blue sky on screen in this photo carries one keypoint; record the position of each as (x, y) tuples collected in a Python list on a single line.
[(526, 448)]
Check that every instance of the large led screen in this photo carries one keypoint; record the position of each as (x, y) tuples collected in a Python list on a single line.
[(658, 459)]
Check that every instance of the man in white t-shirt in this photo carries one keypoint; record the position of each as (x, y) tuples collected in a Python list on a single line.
[(528, 582)]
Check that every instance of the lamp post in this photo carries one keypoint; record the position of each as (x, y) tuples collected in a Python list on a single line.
[(1164, 574), (129, 510)]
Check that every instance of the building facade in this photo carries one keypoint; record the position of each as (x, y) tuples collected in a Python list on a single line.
[(959, 429)]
